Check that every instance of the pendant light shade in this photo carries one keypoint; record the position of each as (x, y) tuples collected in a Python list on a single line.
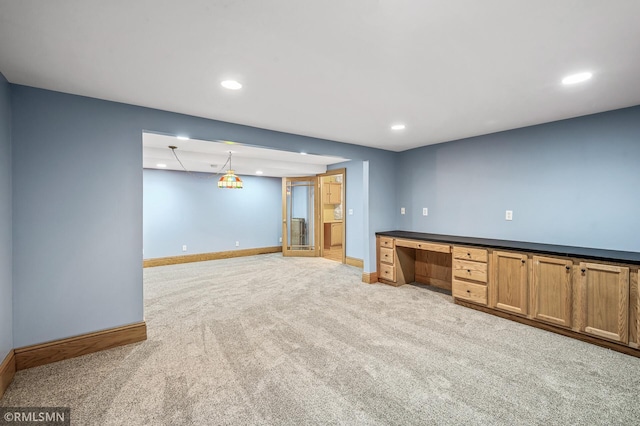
[(230, 180)]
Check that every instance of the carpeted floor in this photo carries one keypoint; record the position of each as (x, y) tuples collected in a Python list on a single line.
[(294, 341)]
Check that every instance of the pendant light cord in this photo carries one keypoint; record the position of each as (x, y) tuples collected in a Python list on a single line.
[(173, 149)]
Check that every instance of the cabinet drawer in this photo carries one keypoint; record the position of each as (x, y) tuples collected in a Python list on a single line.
[(387, 272), (476, 271), (386, 255), (386, 242), (421, 245), (468, 253), (476, 293)]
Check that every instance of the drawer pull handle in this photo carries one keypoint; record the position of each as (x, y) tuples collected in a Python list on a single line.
[(469, 254), (523, 261), (583, 270), (468, 291), (469, 270)]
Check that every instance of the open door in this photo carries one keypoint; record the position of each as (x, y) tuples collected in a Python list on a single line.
[(332, 212), (300, 216)]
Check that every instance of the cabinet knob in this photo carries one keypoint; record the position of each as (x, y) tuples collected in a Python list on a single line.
[(468, 291), (469, 254), (568, 268), (469, 270), (583, 270), (523, 261)]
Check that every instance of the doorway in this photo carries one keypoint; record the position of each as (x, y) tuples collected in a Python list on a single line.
[(313, 221), (332, 187)]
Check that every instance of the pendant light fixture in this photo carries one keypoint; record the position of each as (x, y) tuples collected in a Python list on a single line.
[(230, 180)]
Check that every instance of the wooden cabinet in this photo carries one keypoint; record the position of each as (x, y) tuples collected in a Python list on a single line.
[(469, 274), (332, 193), (332, 234), (508, 289), (386, 259), (595, 301), (552, 290), (604, 293)]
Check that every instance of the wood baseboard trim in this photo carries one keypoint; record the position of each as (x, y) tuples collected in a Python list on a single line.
[(58, 350), (358, 263), (370, 277), (559, 330), (7, 371), (174, 260)]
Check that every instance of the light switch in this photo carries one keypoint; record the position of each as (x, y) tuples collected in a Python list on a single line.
[(402, 210), (425, 211), (350, 212)]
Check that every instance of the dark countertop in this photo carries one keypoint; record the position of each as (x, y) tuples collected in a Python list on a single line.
[(583, 252)]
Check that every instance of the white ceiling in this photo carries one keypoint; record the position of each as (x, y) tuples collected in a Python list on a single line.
[(211, 156), (335, 69)]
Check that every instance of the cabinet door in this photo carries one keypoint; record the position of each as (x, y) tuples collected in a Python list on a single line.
[(508, 286), (605, 301), (336, 234), (326, 193), (335, 197), (551, 290)]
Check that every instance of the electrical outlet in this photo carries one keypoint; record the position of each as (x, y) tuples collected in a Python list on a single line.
[(350, 212), (184, 247), (237, 243), (425, 211), (402, 210), (508, 215), (280, 239)]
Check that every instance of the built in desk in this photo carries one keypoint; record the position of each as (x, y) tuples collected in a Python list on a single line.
[(585, 293)]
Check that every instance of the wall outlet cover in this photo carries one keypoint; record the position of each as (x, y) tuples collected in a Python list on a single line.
[(350, 212), (508, 215), (237, 243), (425, 211), (402, 210), (184, 247)]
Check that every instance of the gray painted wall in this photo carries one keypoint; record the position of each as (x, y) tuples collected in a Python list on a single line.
[(190, 209), (6, 281), (572, 182), (77, 206)]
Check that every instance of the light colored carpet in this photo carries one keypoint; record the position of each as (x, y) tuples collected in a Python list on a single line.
[(273, 340)]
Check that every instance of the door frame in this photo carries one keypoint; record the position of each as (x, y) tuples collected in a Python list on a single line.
[(316, 218), (343, 189)]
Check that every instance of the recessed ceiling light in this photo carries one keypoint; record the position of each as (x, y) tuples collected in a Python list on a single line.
[(231, 85), (258, 172), (398, 127), (577, 78), (161, 165), (303, 153), (183, 138)]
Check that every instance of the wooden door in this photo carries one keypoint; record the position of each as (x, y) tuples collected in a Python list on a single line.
[(508, 286), (551, 290), (300, 216), (605, 301)]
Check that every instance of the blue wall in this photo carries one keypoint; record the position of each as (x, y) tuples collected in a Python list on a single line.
[(190, 209), (6, 281), (78, 196), (572, 182), (354, 224), (77, 205)]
